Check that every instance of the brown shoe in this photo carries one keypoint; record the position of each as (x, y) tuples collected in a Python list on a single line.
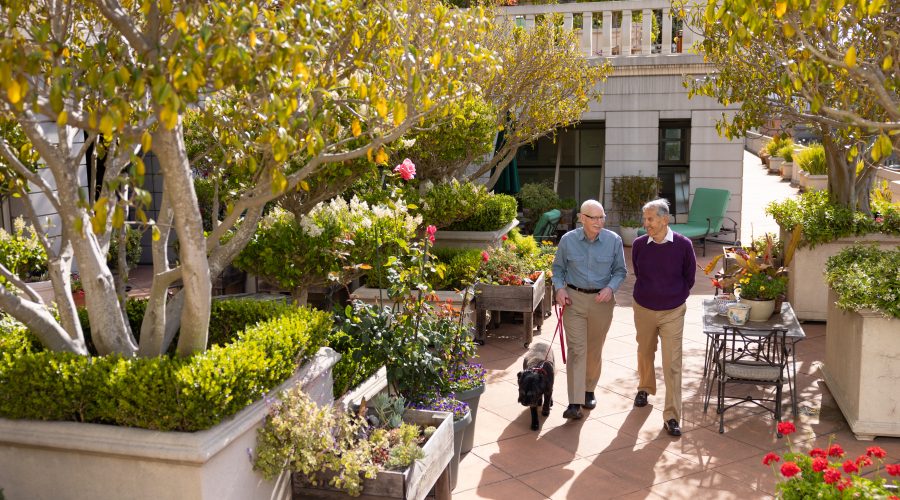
[(573, 412)]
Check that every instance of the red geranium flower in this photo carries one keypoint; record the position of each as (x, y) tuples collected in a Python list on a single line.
[(832, 475), (863, 461), (849, 467), (876, 451), (893, 469), (844, 483), (504, 237), (819, 464), (835, 450), (485, 256), (770, 457), (790, 469), (786, 428), (817, 452)]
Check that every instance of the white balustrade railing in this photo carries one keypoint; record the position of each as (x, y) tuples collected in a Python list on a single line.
[(602, 37)]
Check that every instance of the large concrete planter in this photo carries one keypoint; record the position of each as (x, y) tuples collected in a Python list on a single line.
[(807, 291), (775, 165), (472, 239), (861, 369), (795, 174), (816, 182), (628, 234), (63, 460)]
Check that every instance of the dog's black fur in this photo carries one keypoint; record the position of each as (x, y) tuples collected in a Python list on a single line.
[(536, 381)]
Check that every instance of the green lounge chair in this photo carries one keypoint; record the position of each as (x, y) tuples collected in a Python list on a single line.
[(545, 228), (706, 216)]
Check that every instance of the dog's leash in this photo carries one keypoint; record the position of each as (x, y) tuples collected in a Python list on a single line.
[(559, 329)]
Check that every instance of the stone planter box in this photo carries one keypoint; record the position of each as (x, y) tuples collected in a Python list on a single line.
[(861, 369), (786, 170), (472, 239), (628, 234), (775, 164), (415, 482), (807, 291), (71, 460), (795, 174), (810, 181), (378, 296), (524, 299)]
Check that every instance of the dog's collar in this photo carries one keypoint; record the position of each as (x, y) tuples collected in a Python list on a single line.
[(540, 368)]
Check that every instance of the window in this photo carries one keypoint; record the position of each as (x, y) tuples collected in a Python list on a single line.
[(674, 143)]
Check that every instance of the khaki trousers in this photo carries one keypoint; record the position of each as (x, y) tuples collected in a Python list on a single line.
[(667, 326), (586, 323)]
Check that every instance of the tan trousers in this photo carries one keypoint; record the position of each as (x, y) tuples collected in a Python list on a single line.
[(667, 326), (586, 323)]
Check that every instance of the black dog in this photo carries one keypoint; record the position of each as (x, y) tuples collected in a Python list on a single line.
[(536, 381)]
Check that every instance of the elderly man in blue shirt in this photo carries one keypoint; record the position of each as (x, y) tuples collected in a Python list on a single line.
[(588, 269)]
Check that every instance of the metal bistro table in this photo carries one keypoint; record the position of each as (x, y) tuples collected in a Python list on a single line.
[(714, 325)]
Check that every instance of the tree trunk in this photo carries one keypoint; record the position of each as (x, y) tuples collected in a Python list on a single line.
[(300, 295), (169, 147), (153, 326), (41, 323)]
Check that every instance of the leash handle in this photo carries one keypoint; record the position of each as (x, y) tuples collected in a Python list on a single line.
[(559, 328)]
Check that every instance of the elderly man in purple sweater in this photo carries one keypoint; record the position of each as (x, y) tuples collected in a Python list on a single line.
[(664, 267)]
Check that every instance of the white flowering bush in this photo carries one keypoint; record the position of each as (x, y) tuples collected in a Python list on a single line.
[(335, 242)]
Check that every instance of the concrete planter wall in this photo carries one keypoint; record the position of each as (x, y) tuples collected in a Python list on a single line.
[(795, 174), (861, 369), (807, 291), (786, 169), (628, 234), (472, 239), (62, 460), (816, 182)]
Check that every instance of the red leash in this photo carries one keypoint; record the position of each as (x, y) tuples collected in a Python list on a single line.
[(560, 329)]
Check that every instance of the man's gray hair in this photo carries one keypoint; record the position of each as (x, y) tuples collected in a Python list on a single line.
[(661, 206), (591, 203)]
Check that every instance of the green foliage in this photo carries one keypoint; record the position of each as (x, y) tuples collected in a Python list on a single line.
[(163, 393), (865, 277), (335, 242), (630, 193), (22, 253), (777, 143), (812, 159), (538, 197), (787, 153), (451, 201), (568, 203), (494, 212), (322, 443), (12, 182), (822, 221), (133, 248), (514, 262), (356, 365), (761, 285), (459, 267)]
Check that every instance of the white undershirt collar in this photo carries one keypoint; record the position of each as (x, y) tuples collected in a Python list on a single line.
[(670, 237)]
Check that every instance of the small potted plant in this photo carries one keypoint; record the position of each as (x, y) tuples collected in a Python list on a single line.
[(629, 194)]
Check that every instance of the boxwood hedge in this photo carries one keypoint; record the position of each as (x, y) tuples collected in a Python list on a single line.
[(163, 393)]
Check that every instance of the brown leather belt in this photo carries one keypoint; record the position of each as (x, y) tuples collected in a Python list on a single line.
[(584, 290)]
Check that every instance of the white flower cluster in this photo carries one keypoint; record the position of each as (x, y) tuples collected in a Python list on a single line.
[(355, 215)]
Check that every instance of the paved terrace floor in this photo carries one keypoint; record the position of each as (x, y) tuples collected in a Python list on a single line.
[(618, 451)]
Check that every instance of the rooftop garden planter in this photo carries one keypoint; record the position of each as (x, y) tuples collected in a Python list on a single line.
[(473, 239), (862, 346), (525, 298), (109, 462)]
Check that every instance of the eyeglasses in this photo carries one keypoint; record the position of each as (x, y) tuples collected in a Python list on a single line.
[(594, 217)]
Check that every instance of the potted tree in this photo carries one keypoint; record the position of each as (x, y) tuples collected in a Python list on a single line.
[(467, 215), (629, 194)]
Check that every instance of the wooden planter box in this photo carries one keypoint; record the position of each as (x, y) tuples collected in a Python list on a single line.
[(807, 291), (415, 482), (861, 369), (72, 460), (524, 299), (472, 239)]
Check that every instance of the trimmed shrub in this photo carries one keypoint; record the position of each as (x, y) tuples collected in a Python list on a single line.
[(164, 393), (459, 266), (494, 212), (865, 277), (538, 197), (448, 202), (812, 159)]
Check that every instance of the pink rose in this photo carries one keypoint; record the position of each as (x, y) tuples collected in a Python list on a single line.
[(407, 169), (430, 230), (485, 256)]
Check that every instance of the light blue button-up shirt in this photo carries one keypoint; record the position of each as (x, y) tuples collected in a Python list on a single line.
[(589, 264)]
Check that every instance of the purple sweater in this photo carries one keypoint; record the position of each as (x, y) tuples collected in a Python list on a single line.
[(665, 273)]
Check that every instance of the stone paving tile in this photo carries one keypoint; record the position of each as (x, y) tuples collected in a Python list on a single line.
[(707, 447), (588, 437), (523, 454), (491, 426), (504, 490), (474, 471), (577, 480), (643, 465), (708, 485), (752, 472)]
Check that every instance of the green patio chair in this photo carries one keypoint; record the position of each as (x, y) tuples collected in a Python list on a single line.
[(706, 216), (545, 228)]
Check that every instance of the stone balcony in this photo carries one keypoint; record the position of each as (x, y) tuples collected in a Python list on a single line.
[(607, 29)]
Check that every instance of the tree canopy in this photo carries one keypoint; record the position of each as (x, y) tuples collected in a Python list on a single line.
[(290, 92), (830, 63)]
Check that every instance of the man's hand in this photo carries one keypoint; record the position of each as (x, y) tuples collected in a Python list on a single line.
[(604, 295), (562, 297)]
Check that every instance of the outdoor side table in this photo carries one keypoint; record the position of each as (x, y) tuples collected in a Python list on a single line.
[(714, 326)]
